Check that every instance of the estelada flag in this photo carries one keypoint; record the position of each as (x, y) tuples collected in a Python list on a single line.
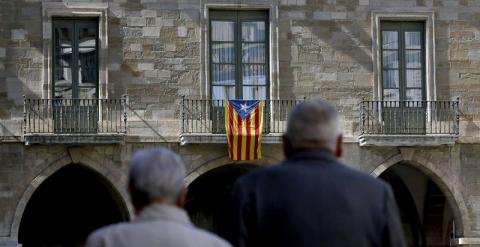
[(244, 124)]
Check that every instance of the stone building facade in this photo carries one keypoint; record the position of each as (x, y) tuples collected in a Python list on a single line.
[(152, 77)]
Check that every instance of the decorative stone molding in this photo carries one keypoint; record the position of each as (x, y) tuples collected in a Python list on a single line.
[(273, 41), (406, 14), (74, 9)]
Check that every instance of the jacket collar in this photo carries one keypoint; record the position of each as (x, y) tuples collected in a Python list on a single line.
[(164, 212), (314, 154)]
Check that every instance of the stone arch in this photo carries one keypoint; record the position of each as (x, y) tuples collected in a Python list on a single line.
[(74, 156), (453, 196), (222, 161)]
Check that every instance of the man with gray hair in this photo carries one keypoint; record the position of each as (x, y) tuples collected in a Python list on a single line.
[(157, 189), (311, 199)]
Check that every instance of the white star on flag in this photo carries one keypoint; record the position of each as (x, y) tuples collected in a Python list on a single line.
[(244, 107)]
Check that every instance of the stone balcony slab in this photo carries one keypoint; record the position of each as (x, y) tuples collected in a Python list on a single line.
[(407, 140)]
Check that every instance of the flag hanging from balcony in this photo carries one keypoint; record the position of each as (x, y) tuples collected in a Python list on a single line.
[(244, 124)]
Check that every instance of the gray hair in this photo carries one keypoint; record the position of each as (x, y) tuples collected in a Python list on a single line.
[(158, 173), (313, 121)]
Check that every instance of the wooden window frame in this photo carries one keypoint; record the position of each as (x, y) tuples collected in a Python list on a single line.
[(76, 23), (239, 16), (401, 27)]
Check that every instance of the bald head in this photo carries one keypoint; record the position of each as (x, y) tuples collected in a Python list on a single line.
[(313, 124)]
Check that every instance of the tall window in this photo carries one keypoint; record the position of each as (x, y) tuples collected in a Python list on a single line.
[(75, 58), (403, 61), (239, 54)]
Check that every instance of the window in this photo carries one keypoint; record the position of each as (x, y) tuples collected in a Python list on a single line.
[(75, 58), (403, 65), (239, 55)]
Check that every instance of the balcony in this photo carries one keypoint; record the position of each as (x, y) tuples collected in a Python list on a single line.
[(75, 121), (203, 121), (408, 123)]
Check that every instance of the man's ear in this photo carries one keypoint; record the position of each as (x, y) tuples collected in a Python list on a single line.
[(182, 198), (338, 147), (287, 146)]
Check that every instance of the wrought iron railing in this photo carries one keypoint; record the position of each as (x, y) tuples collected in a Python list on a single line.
[(204, 116), (409, 117), (75, 116)]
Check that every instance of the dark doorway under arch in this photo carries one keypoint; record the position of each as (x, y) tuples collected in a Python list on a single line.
[(426, 215), (68, 206), (209, 197)]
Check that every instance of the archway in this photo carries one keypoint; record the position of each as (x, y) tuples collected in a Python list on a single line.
[(427, 217), (68, 206), (209, 196)]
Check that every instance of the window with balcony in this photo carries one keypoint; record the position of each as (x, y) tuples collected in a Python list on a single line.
[(403, 109), (74, 108)]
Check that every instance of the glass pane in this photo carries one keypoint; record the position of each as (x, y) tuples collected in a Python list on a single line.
[(253, 53), (63, 92), (254, 92), (413, 59), (390, 59), (88, 37), (391, 95), (253, 31), (223, 31), (254, 74), (88, 93), (390, 39), (63, 36), (414, 94), (87, 62), (414, 78), (63, 56), (223, 92), (413, 40), (223, 74), (223, 53), (63, 76), (390, 79)]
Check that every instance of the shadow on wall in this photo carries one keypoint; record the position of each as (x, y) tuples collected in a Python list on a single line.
[(22, 60), (319, 48)]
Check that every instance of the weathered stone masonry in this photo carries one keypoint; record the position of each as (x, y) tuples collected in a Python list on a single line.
[(157, 52)]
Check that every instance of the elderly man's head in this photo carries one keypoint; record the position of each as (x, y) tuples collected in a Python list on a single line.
[(313, 124), (156, 175)]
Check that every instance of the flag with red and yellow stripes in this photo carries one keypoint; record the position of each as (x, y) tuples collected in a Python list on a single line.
[(244, 124)]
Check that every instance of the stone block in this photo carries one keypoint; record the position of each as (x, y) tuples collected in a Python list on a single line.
[(339, 15), (145, 66), (182, 31), (322, 15), (294, 15), (3, 52), (19, 34), (363, 2), (164, 73), (148, 13), (170, 47), (136, 22), (136, 47), (151, 32)]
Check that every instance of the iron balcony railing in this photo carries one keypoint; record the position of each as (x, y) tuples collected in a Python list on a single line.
[(75, 116), (205, 116), (409, 117)]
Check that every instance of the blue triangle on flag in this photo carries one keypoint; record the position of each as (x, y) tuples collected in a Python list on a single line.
[(244, 107)]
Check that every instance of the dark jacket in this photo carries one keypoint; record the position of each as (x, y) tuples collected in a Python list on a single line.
[(313, 200)]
